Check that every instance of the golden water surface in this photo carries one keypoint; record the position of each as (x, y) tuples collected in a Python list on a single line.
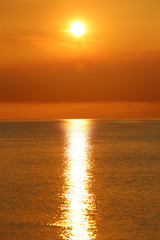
[(80, 180), (79, 202)]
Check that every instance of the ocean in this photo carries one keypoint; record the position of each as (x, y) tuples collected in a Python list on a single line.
[(80, 180)]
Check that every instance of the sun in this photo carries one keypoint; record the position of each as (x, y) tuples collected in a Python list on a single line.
[(77, 28)]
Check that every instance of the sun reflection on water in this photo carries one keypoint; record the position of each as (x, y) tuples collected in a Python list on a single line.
[(79, 203)]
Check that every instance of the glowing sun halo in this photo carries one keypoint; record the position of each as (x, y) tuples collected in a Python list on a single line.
[(77, 28)]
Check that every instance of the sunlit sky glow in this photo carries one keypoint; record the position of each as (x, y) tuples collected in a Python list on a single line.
[(115, 59)]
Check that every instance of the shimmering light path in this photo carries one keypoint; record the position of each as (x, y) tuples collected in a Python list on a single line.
[(77, 222)]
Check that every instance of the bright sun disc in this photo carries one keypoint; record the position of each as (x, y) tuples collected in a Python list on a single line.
[(77, 28)]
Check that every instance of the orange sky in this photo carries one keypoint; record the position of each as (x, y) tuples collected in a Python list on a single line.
[(114, 65)]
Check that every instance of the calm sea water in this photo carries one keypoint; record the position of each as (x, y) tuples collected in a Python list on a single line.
[(80, 180)]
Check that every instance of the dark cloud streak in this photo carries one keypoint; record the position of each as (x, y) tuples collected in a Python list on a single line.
[(81, 81)]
